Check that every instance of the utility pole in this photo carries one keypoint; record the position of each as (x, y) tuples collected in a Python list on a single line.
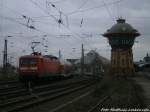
[(82, 60), (5, 57), (60, 56)]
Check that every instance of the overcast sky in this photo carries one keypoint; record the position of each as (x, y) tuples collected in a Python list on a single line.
[(96, 17)]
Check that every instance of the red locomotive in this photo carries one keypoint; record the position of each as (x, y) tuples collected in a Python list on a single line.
[(37, 66)]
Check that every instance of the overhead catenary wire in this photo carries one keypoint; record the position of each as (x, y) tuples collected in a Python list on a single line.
[(109, 13), (48, 34), (44, 33), (80, 35), (11, 19), (83, 4), (74, 34), (26, 17), (58, 1), (117, 10), (14, 11), (43, 10), (64, 35), (57, 20), (23, 16), (84, 35), (60, 13), (36, 17), (92, 8)]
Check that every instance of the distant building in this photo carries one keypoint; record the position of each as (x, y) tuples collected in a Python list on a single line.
[(143, 65), (93, 63), (146, 58), (72, 61)]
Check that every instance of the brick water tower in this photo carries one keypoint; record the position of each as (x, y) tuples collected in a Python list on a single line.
[(121, 37)]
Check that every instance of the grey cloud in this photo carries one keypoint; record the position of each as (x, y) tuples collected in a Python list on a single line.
[(96, 21)]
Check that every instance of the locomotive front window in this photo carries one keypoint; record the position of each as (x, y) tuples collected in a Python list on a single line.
[(28, 61)]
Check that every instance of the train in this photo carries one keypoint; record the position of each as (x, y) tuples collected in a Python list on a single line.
[(37, 66)]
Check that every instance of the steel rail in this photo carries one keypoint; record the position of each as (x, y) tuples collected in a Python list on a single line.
[(37, 95), (105, 98), (22, 91), (43, 97)]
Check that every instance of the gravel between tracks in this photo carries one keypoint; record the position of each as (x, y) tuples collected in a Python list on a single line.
[(42, 97), (60, 104)]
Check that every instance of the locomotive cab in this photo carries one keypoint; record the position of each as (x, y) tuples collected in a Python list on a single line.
[(29, 67)]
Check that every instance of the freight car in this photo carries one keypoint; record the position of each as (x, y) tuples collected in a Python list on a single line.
[(37, 66)]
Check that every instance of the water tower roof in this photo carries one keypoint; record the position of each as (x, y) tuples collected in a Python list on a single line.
[(121, 27)]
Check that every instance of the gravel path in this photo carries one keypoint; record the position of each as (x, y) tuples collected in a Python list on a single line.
[(145, 83)]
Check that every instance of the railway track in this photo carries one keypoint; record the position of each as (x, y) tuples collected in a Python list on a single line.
[(97, 107), (22, 90), (101, 103), (7, 89), (42, 94), (9, 85), (8, 82)]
